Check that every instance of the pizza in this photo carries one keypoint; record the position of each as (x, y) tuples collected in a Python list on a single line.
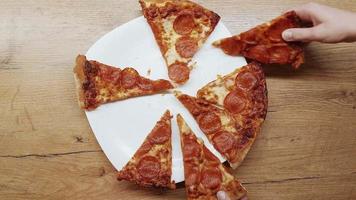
[(180, 28), (243, 94), (204, 175), (264, 43), (98, 83), (151, 165)]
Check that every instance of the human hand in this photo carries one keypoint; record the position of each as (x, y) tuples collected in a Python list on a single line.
[(330, 25), (221, 195)]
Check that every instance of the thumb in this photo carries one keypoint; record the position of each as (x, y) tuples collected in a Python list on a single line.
[(301, 34), (221, 195)]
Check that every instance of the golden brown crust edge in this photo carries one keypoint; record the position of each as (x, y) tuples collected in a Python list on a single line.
[(79, 77), (156, 30), (244, 152), (214, 20), (239, 194), (260, 118)]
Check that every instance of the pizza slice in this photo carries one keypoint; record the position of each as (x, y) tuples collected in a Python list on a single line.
[(151, 165), (180, 28), (204, 175), (264, 43), (220, 128), (98, 83), (243, 94)]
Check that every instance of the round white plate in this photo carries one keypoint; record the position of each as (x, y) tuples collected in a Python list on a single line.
[(121, 127)]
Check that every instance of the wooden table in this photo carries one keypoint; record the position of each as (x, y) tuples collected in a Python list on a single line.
[(307, 148)]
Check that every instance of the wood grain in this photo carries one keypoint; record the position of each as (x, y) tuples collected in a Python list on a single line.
[(307, 148)]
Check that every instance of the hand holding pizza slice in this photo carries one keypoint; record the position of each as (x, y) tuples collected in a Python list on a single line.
[(264, 43)]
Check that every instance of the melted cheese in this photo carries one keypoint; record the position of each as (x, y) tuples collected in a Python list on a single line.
[(227, 122), (217, 90), (171, 37)]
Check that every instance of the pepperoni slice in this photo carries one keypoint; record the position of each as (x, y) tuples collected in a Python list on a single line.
[(224, 142), (279, 54), (145, 147), (246, 80), (232, 46), (209, 122), (145, 84), (258, 53), (186, 46), (115, 76), (191, 174), (129, 77), (211, 178), (184, 23), (191, 148), (160, 134), (149, 167), (178, 72), (274, 33), (110, 74), (235, 102)]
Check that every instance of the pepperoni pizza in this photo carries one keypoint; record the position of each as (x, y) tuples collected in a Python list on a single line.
[(264, 43), (180, 28), (151, 165), (98, 83), (203, 172), (243, 94)]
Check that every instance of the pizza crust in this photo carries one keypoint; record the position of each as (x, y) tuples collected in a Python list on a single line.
[(79, 78)]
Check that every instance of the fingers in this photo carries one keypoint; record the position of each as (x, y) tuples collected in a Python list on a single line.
[(306, 12), (302, 34), (244, 198), (221, 195), (310, 12)]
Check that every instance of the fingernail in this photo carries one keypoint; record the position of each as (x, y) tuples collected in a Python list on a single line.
[(221, 195), (287, 35), (244, 198)]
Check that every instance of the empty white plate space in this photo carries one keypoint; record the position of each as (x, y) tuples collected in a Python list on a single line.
[(121, 127)]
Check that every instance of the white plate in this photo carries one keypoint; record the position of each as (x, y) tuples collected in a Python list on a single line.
[(121, 127)]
